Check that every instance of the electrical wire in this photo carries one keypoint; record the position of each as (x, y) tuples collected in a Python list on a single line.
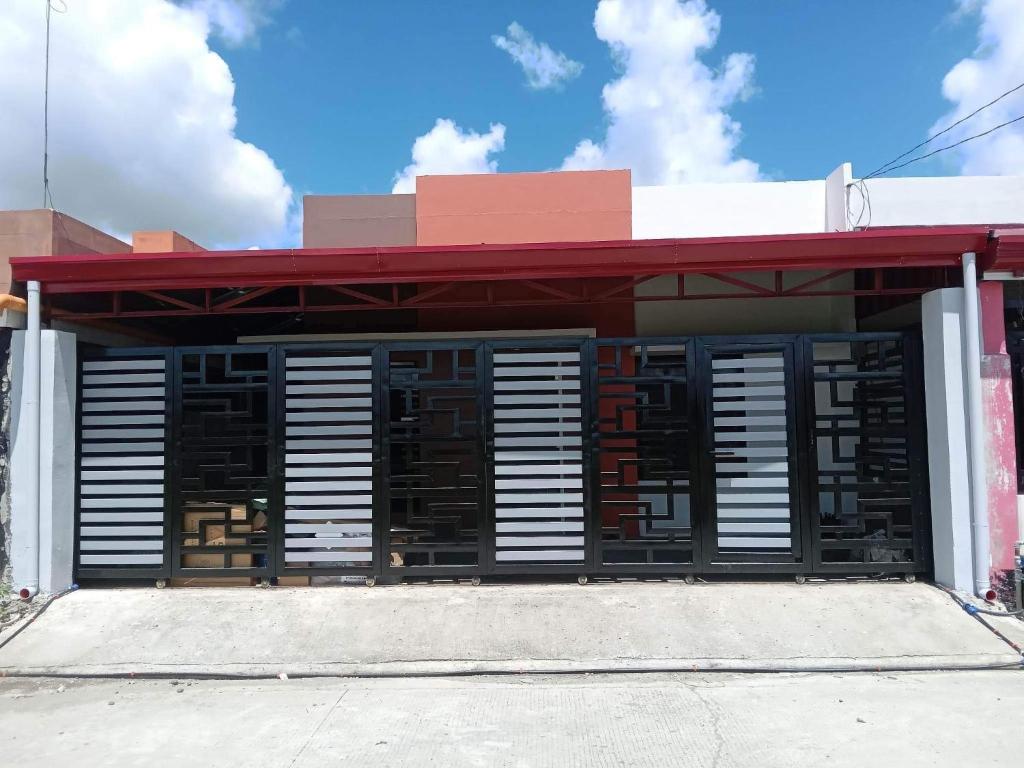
[(993, 129), (1000, 97)]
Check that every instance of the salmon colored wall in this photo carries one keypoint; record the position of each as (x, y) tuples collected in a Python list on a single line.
[(41, 233), (523, 207)]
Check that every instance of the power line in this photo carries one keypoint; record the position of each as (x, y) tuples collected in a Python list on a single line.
[(885, 168), (47, 197), (943, 149)]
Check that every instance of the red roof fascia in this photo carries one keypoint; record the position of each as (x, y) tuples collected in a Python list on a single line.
[(1006, 253), (890, 247)]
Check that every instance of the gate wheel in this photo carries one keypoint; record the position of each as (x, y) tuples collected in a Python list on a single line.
[(690, 578), (582, 580), (370, 581), (475, 581), (161, 583), (801, 579), (910, 578)]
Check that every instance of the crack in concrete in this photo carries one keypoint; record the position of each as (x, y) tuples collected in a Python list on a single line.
[(716, 724)]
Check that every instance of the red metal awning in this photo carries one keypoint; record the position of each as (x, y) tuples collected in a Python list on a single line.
[(874, 248)]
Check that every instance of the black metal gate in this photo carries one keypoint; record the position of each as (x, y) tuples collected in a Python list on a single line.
[(761, 454)]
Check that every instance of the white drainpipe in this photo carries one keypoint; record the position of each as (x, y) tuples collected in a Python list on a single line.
[(979, 485), (30, 423)]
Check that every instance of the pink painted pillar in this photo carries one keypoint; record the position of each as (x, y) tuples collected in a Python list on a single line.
[(1000, 436)]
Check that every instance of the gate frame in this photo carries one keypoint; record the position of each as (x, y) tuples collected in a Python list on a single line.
[(800, 396), (275, 476), (796, 431), (90, 353)]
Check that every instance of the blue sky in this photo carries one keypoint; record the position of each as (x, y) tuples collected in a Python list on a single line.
[(214, 117), (336, 92)]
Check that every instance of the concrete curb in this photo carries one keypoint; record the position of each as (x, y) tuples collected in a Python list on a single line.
[(524, 667)]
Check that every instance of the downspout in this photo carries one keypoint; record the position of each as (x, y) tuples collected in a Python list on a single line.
[(30, 423), (976, 443)]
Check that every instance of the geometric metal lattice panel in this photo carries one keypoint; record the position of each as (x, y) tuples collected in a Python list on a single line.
[(328, 459), (864, 490), (224, 460), (538, 455), (751, 455), (643, 450), (123, 462), (434, 461)]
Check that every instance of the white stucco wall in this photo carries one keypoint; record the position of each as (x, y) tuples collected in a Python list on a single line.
[(946, 200), (709, 210)]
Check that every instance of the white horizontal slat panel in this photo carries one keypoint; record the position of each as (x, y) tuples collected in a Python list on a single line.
[(519, 483), (97, 561), (772, 361), (540, 526), (148, 364), (332, 515), (124, 474), (122, 463), (328, 361), (328, 375), (754, 542), (328, 412), (535, 385), (539, 512), (121, 393), (519, 555), (535, 357), (120, 447), (110, 545), (121, 530), (328, 389), (351, 460), (506, 542), (330, 472), (119, 378), (311, 444), (751, 480), (538, 417), (300, 557)]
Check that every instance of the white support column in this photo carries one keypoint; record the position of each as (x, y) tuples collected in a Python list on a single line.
[(945, 404), (57, 434)]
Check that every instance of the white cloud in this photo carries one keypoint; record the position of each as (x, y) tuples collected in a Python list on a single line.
[(142, 123), (997, 66), (544, 67), (446, 148), (667, 117), (236, 21)]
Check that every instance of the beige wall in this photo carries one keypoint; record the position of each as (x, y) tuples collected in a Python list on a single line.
[(742, 316), (48, 233), (354, 221), (163, 241)]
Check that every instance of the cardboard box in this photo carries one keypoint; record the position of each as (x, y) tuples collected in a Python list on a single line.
[(293, 581), (213, 535)]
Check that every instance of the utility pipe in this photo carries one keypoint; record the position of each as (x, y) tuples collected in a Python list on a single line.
[(28, 431), (976, 445)]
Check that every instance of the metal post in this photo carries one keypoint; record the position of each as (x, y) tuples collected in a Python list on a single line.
[(979, 485), (30, 421)]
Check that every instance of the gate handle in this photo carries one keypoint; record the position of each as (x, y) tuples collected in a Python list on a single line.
[(722, 454)]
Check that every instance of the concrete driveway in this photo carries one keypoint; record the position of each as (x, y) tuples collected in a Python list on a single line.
[(445, 629), (680, 720)]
